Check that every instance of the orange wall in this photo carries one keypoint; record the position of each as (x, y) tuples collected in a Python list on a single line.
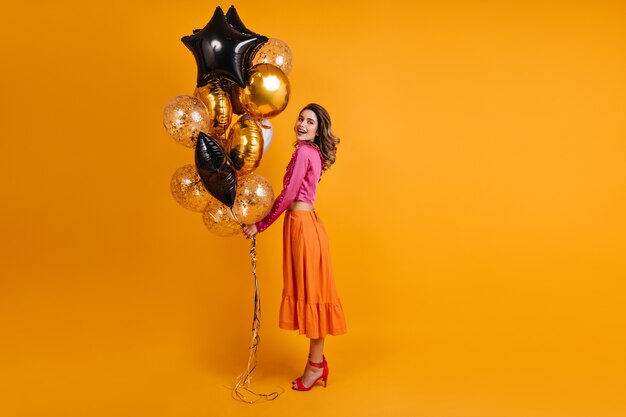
[(477, 212)]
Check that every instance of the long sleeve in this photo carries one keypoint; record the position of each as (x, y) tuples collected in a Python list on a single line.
[(296, 171)]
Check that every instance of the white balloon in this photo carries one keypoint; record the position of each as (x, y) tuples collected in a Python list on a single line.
[(268, 133)]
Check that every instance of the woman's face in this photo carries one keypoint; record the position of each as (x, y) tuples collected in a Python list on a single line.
[(306, 126)]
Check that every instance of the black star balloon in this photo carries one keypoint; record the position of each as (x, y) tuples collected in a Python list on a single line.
[(232, 17), (221, 50), (212, 166)]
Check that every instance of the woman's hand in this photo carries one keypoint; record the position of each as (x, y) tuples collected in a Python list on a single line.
[(250, 230)]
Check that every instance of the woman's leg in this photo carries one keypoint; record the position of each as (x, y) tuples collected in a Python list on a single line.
[(316, 349), (316, 354)]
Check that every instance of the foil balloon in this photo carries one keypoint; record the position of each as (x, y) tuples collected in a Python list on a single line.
[(275, 52), (266, 129), (254, 199), (216, 174), (266, 93), (188, 190), (233, 19), (218, 107), (221, 50), (184, 117), (219, 219), (245, 145), (235, 102)]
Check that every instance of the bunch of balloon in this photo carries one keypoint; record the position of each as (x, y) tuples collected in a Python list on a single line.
[(241, 84)]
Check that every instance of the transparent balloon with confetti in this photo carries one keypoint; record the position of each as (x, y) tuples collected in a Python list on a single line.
[(184, 117)]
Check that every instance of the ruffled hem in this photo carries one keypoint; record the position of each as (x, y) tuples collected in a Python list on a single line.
[(315, 320)]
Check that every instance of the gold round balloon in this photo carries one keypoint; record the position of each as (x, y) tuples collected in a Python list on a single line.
[(188, 190), (266, 93), (275, 52), (184, 117), (235, 102), (219, 219), (254, 198), (245, 145), (218, 107)]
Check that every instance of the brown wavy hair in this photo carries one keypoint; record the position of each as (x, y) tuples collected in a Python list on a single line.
[(324, 139)]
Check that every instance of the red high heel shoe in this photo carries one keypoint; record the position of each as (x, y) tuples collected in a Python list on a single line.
[(323, 360), (324, 377)]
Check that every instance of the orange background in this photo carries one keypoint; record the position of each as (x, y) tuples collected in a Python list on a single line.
[(476, 213)]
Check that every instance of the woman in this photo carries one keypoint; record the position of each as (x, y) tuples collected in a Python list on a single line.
[(310, 303)]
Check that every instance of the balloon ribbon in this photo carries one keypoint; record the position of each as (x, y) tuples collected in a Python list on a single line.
[(242, 390)]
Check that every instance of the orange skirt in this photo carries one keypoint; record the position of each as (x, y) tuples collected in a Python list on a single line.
[(310, 303)]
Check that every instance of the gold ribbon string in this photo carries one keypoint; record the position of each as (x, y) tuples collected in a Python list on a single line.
[(242, 391)]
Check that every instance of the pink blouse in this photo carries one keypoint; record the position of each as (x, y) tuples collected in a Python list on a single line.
[(299, 183)]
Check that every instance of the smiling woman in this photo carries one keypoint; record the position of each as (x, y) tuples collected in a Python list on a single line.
[(310, 303)]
